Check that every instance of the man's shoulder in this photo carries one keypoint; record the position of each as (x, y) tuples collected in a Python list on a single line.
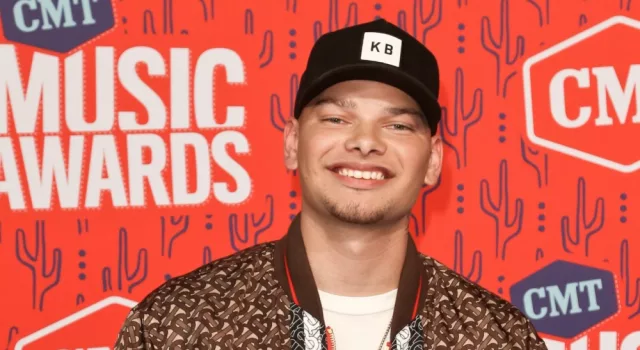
[(446, 282), (216, 280), (194, 307), (458, 300)]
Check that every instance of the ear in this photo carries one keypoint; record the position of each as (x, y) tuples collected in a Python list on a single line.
[(435, 161), (291, 131)]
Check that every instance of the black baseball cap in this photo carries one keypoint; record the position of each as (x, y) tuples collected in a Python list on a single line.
[(378, 51)]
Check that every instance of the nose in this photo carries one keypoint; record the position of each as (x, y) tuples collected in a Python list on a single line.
[(366, 140)]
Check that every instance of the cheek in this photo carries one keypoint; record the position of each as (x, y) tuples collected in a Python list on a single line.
[(316, 145), (312, 151), (414, 158)]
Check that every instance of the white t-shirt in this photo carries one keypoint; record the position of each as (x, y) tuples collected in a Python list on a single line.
[(358, 323)]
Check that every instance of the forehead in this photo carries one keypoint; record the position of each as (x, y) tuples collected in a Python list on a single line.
[(370, 97), (364, 89)]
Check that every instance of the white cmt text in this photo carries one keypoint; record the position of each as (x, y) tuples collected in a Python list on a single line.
[(608, 88)]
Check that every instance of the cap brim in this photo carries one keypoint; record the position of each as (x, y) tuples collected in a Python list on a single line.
[(425, 98)]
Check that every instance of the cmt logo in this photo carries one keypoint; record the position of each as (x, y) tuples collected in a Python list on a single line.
[(565, 299), (78, 331), (56, 25), (582, 95)]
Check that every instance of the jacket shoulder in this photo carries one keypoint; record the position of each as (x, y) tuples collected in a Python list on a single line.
[(455, 300), (194, 306), (216, 278)]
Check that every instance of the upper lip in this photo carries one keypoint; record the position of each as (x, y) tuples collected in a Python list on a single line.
[(362, 167)]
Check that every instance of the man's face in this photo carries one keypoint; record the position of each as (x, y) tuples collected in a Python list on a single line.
[(363, 152)]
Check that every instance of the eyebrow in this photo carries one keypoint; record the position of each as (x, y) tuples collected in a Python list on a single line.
[(343, 103), (350, 104)]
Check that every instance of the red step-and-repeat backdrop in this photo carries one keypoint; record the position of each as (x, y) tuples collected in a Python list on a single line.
[(142, 139)]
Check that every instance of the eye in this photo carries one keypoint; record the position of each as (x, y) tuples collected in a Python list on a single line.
[(334, 120), (401, 127)]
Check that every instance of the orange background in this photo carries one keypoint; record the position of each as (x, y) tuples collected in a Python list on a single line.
[(273, 39)]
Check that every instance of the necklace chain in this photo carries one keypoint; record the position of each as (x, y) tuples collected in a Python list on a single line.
[(384, 337)]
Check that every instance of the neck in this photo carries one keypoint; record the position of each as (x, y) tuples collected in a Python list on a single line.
[(354, 260)]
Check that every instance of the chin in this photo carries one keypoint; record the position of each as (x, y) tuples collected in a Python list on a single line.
[(358, 218), (356, 212)]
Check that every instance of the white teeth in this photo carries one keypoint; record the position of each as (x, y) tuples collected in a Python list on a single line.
[(359, 174)]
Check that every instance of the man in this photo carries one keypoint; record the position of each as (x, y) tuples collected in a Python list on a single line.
[(347, 274)]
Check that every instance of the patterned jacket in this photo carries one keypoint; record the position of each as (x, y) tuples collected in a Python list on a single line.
[(264, 297)]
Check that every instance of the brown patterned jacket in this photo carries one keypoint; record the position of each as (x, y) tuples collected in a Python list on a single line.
[(265, 297)]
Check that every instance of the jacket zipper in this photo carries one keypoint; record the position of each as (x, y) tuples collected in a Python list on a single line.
[(331, 339)]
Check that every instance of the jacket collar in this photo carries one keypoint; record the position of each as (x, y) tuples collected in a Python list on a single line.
[(293, 272)]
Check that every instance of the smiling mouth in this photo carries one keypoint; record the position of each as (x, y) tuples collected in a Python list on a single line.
[(359, 174), (374, 174)]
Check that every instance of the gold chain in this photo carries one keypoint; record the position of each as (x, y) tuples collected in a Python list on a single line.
[(385, 336)]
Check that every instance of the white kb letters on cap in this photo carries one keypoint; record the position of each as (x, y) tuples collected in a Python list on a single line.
[(382, 48)]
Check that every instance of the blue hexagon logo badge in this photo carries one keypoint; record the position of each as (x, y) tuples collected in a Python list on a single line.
[(56, 25), (565, 299)]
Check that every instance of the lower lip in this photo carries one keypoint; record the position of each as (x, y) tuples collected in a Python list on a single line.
[(361, 184)]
